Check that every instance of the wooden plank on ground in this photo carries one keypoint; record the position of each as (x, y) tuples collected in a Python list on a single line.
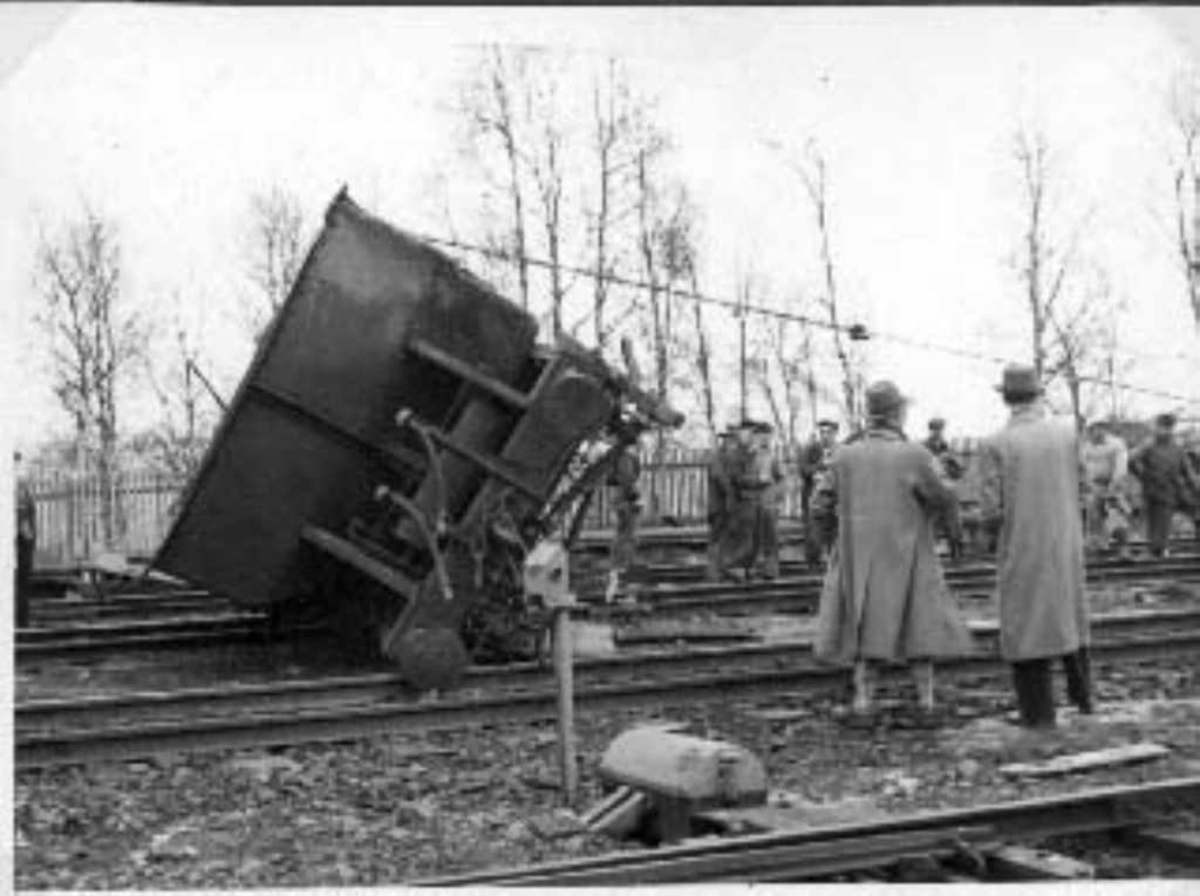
[(1078, 762), (1015, 862)]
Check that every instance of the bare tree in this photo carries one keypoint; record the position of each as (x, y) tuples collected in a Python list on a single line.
[(185, 409), (490, 103), (1047, 263), (546, 164), (786, 374), (814, 175), (1185, 116), (1077, 344), (95, 339), (611, 118), (276, 251)]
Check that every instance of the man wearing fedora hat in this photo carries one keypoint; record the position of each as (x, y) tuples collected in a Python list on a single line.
[(1031, 474), (884, 597)]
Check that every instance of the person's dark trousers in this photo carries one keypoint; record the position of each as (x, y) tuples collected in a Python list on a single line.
[(1035, 693), (21, 580), (1158, 525), (1078, 668), (813, 552)]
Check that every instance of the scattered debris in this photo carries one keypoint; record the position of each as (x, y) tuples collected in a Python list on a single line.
[(780, 714), (264, 768), (557, 825)]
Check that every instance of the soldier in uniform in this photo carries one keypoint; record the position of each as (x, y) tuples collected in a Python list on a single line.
[(768, 487), (26, 539), (814, 461), (623, 483), (719, 502), (1167, 481), (739, 533)]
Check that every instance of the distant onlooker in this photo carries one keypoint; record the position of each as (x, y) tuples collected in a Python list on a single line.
[(1168, 481), (815, 458), (25, 542), (1105, 465), (951, 469)]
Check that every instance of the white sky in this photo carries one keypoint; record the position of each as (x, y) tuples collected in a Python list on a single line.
[(167, 119)]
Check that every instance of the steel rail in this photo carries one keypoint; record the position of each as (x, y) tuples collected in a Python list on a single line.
[(662, 573), (819, 852), (528, 696)]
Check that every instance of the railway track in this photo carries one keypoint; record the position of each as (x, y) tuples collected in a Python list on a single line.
[(71, 731), (955, 845), (49, 612), (799, 594), (192, 630)]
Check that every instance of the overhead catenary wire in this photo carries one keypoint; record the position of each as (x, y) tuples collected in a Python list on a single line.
[(856, 331)]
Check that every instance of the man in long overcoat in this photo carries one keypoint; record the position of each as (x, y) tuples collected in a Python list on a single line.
[(884, 596), (1030, 489)]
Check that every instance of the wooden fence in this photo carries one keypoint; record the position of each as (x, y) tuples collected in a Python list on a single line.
[(70, 529)]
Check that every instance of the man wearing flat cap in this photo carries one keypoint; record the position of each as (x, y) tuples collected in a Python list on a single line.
[(814, 460), (884, 597), (1031, 473), (1168, 481)]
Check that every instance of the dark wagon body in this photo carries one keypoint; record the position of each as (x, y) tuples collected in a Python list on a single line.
[(396, 445)]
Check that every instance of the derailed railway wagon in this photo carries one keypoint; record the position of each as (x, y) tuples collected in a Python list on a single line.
[(397, 445)]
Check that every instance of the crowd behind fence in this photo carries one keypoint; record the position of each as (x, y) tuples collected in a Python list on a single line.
[(70, 525)]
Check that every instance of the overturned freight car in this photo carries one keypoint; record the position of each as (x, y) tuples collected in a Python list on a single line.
[(397, 445)]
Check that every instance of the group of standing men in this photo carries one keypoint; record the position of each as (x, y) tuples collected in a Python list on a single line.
[(745, 491), (885, 598), (1169, 478)]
